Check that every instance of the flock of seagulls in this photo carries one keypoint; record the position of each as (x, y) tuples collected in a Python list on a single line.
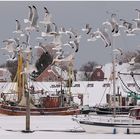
[(49, 30), (50, 34)]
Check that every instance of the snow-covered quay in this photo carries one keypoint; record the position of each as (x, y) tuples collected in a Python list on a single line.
[(50, 127)]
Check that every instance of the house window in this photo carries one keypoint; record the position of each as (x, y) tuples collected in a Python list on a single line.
[(90, 85), (106, 85), (98, 74), (76, 85)]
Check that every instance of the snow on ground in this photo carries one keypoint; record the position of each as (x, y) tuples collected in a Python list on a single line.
[(50, 127)]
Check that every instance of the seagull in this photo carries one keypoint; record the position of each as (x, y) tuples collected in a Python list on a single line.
[(48, 29), (12, 57), (55, 32), (118, 50), (128, 26), (34, 20), (11, 44), (104, 36), (87, 29), (47, 17), (72, 33), (18, 27), (34, 17), (113, 23), (30, 15), (137, 21), (27, 39), (57, 40), (66, 59), (93, 36), (132, 61), (73, 44), (62, 30)]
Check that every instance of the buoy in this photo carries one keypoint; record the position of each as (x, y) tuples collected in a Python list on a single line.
[(114, 131)]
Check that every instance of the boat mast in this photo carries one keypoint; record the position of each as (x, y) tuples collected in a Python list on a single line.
[(61, 90), (20, 81), (70, 78), (114, 77)]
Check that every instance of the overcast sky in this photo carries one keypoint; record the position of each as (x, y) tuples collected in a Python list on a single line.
[(76, 15)]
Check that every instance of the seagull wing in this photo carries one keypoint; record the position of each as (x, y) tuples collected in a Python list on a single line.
[(30, 13), (34, 17)]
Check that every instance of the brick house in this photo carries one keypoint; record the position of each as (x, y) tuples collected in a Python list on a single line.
[(97, 75), (48, 75)]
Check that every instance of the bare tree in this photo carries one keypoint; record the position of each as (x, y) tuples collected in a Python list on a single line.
[(126, 57), (87, 68)]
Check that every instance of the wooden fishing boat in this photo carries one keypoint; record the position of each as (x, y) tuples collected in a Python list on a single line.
[(56, 103)]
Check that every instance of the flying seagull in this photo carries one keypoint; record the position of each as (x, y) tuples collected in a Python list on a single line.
[(18, 27), (104, 36), (113, 23), (137, 21), (87, 29), (47, 17), (34, 20), (30, 15), (128, 26)]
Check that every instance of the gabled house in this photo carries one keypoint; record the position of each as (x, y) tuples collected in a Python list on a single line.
[(48, 75)]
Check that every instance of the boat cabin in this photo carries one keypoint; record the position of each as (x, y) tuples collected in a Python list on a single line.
[(134, 113)]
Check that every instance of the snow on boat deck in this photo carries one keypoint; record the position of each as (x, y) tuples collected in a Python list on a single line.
[(50, 127)]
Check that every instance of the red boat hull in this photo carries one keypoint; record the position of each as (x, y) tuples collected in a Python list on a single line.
[(18, 111)]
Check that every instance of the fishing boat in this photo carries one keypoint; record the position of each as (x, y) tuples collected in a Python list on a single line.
[(14, 102)]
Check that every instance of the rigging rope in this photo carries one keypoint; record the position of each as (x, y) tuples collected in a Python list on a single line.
[(124, 83), (131, 93), (132, 74)]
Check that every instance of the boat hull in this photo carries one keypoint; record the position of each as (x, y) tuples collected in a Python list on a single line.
[(108, 124), (16, 110), (107, 129)]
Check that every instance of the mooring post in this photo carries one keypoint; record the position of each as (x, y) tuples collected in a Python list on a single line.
[(114, 130)]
